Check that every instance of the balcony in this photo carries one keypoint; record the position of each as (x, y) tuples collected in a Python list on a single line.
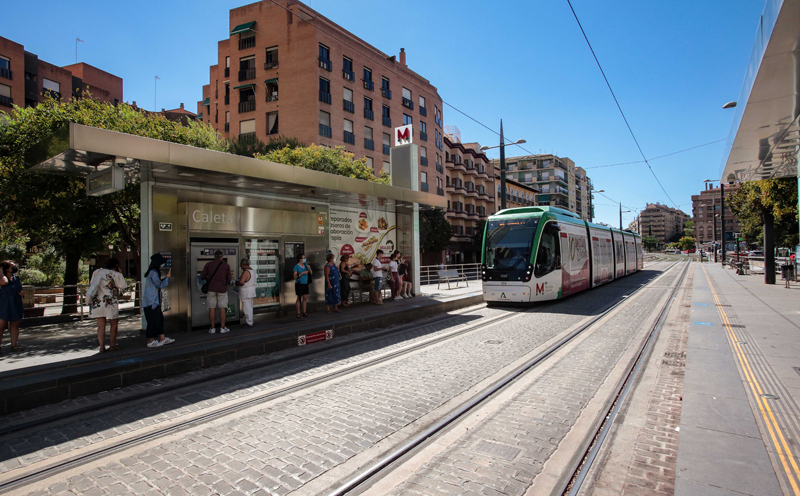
[(349, 138), (248, 106), (6, 100), (439, 191), (324, 97), (51, 93), (247, 137), (439, 168), (473, 215), (349, 75), (270, 65), (325, 131), (423, 111), (369, 144), (408, 104), (472, 193), (248, 42), (438, 121), (227, 72), (457, 214), (349, 107), (562, 166), (423, 161), (386, 149), (227, 99), (272, 97), (387, 93), (423, 136), (387, 121), (423, 187), (5, 73), (325, 64), (369, 85), (369, 114), (247, 74)]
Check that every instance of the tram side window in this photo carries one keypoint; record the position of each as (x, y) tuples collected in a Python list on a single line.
[(548, 257)]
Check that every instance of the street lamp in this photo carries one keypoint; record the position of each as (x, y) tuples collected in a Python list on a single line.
[(502, 146), (620, 215), (729, 105)]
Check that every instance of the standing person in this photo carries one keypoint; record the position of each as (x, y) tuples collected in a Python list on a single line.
[(405, 278), (248, 292), (302, 274), (332, 285), (103, 295), (395, 277), (151, 302), (11, 310), (346, 273), (367, 279), (218, 282), (377, 270)]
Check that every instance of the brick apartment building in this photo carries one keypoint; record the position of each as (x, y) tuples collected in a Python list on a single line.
[(704, 207), (470, 196), (663, 222), (558, 181), (24, 78), (285, 69)]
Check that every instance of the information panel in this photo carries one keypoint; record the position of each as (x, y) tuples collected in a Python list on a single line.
[(361, 233), (263, 255)]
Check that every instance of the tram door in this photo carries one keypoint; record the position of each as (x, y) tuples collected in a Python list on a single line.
[(202, 252)]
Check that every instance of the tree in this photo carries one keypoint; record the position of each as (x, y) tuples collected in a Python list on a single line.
[(754, 200), (686, 243), (55, 208), (258, 147), (650, 242), (434, 230), (321, 158), (688, 228)]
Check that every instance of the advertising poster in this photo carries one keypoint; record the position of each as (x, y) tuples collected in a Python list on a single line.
[(361, 232), (263, 254)]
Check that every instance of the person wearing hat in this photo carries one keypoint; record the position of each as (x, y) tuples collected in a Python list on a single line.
[(247, 283), (218, 275), (151, 302)]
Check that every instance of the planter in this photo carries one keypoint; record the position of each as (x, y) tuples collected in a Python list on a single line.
[(34, 312)]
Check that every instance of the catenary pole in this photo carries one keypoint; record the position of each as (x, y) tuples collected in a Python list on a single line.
[(502, 168)]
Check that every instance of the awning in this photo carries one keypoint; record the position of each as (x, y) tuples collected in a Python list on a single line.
[(273, 80), (248, 85), (200, 116), (241, 28), (207, 101)]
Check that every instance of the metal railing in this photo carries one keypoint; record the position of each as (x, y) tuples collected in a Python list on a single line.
[(755, 265), (70, 300), (429, 274)]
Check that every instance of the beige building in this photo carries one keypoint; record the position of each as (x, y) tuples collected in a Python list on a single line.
[(704, 207), (663, 222), (558, 181)]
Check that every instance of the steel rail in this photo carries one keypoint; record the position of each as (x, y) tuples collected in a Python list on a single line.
[(469, 405)]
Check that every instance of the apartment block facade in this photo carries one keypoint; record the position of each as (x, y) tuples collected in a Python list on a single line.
[(517, 194), (24, 79), (287, 70), (559, 183), (469, 185), (704, 207), (663, 222)]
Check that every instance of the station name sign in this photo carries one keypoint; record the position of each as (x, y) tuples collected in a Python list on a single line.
[(206, 217)]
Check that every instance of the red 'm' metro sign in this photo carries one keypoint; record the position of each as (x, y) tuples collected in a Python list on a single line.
[(403, 135)]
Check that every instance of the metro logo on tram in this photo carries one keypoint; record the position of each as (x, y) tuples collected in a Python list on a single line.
[(540, 288)]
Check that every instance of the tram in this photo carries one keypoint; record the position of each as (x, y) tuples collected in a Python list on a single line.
[(544, 253)]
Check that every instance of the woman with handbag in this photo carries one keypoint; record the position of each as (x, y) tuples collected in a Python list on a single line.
[(103, 295), (151, 302), (302, 278)]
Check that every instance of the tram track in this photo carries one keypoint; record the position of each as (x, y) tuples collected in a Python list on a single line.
[(49, 469), (395, 457)]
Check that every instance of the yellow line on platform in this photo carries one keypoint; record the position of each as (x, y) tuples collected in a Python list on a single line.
[(774, 429)]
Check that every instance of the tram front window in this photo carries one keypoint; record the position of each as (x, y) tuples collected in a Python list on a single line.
[(508, 243)]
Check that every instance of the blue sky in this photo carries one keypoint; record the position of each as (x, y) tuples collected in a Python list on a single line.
[(671, 64)]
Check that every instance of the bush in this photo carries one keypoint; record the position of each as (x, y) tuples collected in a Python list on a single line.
[(331, 160), (33, 277), (258, 147)]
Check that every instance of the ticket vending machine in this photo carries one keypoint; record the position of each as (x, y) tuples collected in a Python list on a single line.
[(202, 252)]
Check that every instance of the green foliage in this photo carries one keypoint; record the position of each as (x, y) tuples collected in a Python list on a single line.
[(650, 242), (33, 277), (434, 230), (754, 199), (50, 263), (686, 243), (321, 158), (12, 242), (258, 147), (688, 228)]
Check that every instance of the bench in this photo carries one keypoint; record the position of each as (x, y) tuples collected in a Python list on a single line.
[(450, 275)]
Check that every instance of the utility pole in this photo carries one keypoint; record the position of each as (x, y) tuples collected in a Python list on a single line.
[(620, 216), (502, 168), (714, 210), (722, 218)]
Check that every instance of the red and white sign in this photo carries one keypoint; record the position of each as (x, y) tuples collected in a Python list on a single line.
[(403, 135)]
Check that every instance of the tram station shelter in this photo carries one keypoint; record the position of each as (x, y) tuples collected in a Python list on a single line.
[(764, 141), (196, 201)]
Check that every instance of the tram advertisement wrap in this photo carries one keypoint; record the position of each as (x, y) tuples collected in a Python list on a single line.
[(361, 232)]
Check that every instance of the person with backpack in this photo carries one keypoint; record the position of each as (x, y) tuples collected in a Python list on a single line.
[(217, 277)]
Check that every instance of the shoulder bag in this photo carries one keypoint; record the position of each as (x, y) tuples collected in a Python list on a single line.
[(204, 288)]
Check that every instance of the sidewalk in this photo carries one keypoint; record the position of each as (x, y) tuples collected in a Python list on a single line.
[(61, 361), (740, 420)]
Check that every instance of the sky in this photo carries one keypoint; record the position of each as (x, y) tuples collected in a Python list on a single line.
[(672, 65)]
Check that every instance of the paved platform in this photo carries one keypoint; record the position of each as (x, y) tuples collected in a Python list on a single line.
[(61, 361), (740, 420)]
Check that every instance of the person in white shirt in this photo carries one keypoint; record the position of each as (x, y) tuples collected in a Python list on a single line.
[(247, 291), (395, 281), (377, 269)]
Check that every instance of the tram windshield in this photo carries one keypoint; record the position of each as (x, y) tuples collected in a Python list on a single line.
[(508, 243)]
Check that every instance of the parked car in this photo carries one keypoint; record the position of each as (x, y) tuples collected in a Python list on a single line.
[(756, 253)]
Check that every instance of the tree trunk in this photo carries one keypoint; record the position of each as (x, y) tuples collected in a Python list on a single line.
[(70, 279)]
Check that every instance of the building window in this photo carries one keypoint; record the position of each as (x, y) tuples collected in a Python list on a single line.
[(387, 168), (325, 58), (369, 144), (423, 152), (247, 40), (421, 103), (272, 90), (407, 119), (349, 137), (387, 118), (272, 122), (247, 99), (347, 69), (385, 91), (272, 58), (407, 102), (437, 115), (386, 143), (247, 68), (324, 90), (5, 62), (368, 84), (227, 121), (424, 176), (368, 113), (227, 66), (5, 95), (370, 163), (325, 124), (423, 131), (247, 129), (51, 85), (347, 95)]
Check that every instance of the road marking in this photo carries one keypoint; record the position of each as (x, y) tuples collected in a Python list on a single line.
[(704, 323), (701, 304), (766, 412)]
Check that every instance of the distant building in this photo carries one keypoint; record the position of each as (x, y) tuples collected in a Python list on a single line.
[(24, 78), (517, 194), (704, 207), (663, 222), (559, 182)]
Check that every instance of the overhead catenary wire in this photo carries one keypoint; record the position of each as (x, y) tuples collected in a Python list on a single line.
[(656, 158), (619, 107)]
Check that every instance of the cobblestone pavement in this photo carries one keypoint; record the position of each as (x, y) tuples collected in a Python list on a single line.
[(280, 447), (505, 452)]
